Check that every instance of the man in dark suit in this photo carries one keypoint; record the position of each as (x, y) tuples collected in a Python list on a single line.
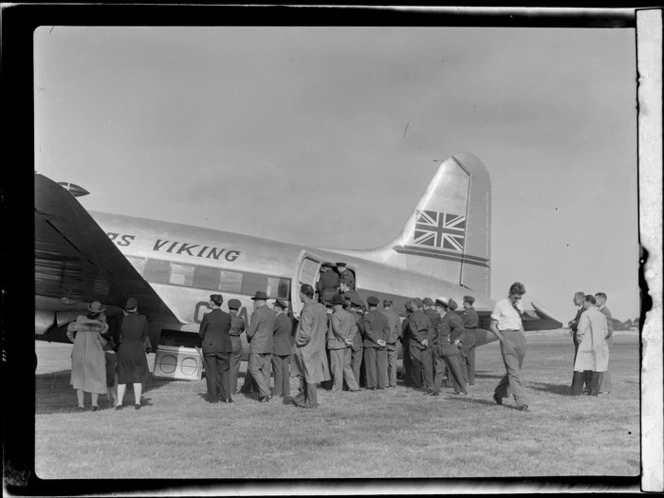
[(217, 347), (260, 335), (428, 309), (420, 326), (328, 283), (404, 338), (282, 349), (376, 334)]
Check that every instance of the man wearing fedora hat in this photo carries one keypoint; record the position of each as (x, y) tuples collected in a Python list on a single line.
[(88, 369), (395, 332), (346, 275), (357, 349), (260, 335), (420, 327), (282, 349), (328, 282)]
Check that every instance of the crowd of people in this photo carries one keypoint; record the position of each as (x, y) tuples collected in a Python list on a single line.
[(592, 334), (339, 342)]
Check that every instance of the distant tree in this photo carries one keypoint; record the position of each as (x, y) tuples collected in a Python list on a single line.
[(618, 325), (628, 323), (635, 322)]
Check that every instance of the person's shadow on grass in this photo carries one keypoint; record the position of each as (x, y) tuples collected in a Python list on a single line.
[(560, 389)]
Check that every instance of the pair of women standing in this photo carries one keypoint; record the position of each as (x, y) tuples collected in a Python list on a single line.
[(89, 335)]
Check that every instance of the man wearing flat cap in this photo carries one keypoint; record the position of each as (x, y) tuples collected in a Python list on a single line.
[(282, 349), (260, 335), (394, 323), (341, 331), (217, 348), (237, 327), (309, 361), (345, 275), (376, 334)]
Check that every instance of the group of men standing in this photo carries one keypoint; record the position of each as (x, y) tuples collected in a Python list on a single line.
[(592, 331)]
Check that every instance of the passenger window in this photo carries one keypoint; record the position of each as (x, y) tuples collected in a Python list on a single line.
[(182, 274), (137, 263), (230, 281), (206, 278), (157, 271), (278, 287), (253, 282)]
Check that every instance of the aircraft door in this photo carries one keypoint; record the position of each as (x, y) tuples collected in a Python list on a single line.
[(306, 271)]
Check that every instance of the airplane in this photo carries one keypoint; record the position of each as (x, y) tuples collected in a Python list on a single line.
[(80, 257)]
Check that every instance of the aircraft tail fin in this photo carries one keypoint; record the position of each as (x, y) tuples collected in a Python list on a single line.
[(448, 235)]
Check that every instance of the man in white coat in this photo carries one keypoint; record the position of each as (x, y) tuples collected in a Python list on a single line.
[(593, 354), (605, 379)]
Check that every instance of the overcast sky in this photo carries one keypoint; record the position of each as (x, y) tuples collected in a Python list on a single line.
[(297, 134)]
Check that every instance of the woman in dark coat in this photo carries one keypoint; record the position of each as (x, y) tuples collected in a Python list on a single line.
[(132, 362)]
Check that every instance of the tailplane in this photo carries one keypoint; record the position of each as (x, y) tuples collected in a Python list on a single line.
[(448, 235)]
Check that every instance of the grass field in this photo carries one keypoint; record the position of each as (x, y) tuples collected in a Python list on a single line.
[(393, 433)]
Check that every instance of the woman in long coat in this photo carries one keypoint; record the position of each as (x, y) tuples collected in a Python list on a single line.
[(132, 362), (593, 354), (88, 361)]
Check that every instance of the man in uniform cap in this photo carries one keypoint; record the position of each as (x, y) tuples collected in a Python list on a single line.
[(340, 335), (281, 349), (395, 333), (237, 327), (376, 334), (471, 322), (420, 326), (448, 338), (328, 283), (260, 334), (309, 361), (427, 308), (357, 349), (346, 275)]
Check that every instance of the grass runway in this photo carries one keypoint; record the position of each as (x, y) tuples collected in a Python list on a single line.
[(398, 432)]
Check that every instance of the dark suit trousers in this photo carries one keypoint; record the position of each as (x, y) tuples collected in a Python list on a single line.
[(259, 367), (513, 349), (407, 367), (217, 370), (588, 377), (422, 363), (281, 371), (454, 372)]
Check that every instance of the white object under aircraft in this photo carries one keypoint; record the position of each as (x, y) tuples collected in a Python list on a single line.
[(80, 257)]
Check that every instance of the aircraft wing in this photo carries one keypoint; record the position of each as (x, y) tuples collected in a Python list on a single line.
[(75, 259), (542, 319)]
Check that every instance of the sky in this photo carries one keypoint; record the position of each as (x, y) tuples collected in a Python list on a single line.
[(327, 137)]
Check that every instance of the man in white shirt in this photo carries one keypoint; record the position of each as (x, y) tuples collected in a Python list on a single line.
[(507, 326)]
